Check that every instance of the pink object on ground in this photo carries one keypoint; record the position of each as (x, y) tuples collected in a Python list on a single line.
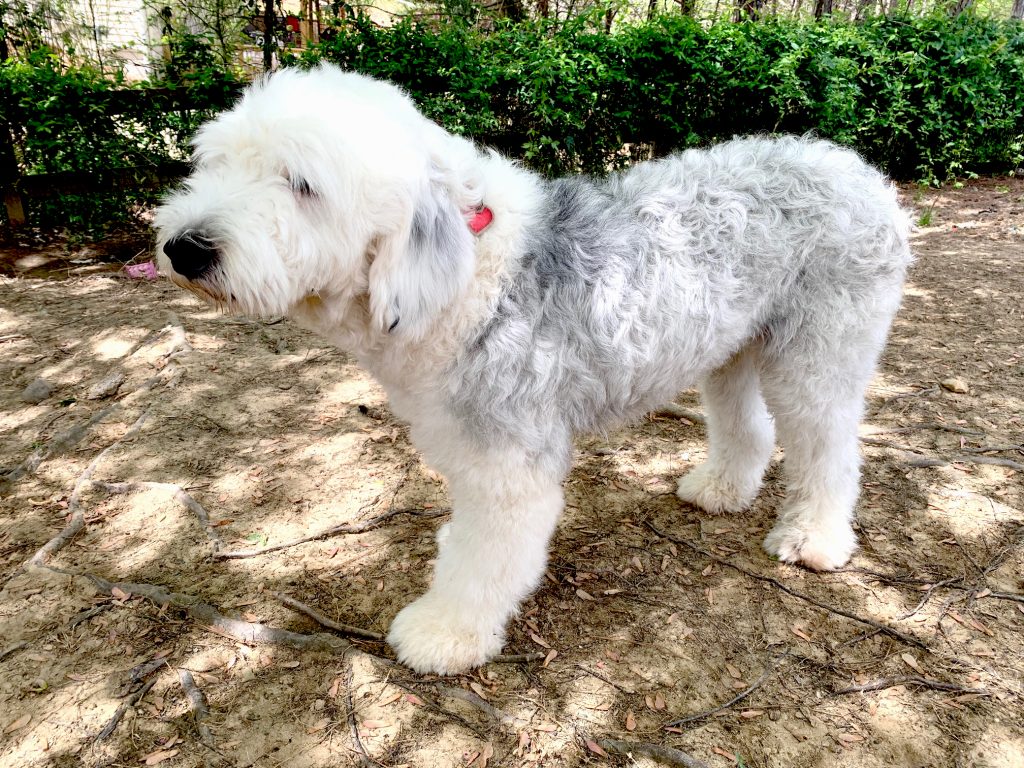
[(144, 271)]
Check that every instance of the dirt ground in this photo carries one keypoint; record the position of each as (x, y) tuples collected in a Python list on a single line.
[(653, 612)]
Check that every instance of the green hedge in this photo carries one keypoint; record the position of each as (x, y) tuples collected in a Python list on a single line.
[(925, 98), (75, 121)]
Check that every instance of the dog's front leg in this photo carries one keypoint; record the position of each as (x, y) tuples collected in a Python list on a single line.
[(491, 556)]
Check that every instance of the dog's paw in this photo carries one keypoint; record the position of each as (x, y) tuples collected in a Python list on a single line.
[(429, 636), (707, 489), (821, 549)]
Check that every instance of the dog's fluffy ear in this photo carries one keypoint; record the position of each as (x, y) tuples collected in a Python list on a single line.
[(420, 268)]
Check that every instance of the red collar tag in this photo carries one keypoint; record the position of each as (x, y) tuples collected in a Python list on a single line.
[(481, 220)]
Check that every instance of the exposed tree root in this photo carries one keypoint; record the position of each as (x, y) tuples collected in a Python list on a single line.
[(656, 752), (885, 628), (337, 530), (920, 682), (730, 703), (77, 521)]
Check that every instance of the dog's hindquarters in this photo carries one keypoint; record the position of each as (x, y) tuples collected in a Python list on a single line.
[(812, 363)]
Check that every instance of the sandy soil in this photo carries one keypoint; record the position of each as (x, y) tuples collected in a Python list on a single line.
[(279, 437)]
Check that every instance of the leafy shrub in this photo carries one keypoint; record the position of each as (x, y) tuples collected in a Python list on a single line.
[(924, 97), (92, 129)]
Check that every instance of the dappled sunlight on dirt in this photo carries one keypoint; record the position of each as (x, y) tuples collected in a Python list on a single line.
[(653, 616)]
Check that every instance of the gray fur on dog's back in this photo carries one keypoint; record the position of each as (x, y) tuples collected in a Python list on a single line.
[(629, 285)]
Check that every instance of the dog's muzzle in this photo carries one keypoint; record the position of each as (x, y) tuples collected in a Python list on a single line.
[(192, 254)]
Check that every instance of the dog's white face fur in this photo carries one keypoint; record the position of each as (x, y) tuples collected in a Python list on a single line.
[(323, 187), (765, 270)]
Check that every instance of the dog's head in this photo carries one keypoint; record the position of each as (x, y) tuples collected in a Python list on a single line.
[(323, 186)]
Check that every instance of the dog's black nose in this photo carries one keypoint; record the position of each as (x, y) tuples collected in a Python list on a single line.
[(191, 254)]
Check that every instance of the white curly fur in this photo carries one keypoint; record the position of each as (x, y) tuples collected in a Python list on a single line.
[(765, 270)]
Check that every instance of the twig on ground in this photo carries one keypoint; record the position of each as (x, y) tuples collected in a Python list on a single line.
[(435, 706), (730, 703), (337, 530), (995, 461), (927, 596), (928, 425), (902, 396), (12, 649), (950, 583), (891, 631), (319, 618), (207, 615), (377, 637), (197, 706), (124, 707), (656, 752), (601, 677), (364, 758), (921, 682), (500, 717), (77, 521), (676, 411), (180, 495)]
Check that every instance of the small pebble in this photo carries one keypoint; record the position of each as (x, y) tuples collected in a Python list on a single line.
[(955, 385), (37, 391)]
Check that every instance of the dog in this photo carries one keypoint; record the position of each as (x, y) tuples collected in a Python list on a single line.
[(504, 313)]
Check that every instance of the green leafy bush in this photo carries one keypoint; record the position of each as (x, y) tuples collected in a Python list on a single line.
[(925, 98), (95, 132)]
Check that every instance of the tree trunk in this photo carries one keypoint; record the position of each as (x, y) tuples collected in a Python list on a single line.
[(1018, 10), (687, 7), (4, 53), (959, 6), (822, 8), (747, 9), (269, 23)]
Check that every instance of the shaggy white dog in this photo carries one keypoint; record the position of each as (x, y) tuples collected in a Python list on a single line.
[(503, 313)]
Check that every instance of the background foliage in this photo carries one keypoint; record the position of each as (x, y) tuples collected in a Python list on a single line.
[(928, 97)]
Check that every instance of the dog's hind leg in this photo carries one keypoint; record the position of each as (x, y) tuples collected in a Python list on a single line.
[(740, 437), (815, 388), (490, 557)]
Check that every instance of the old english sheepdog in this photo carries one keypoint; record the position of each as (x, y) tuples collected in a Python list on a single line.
[(504, 313)]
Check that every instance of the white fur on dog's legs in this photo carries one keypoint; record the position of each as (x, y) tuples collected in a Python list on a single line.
[(491, 555), (822, 471), (817, 412), (740, 437)]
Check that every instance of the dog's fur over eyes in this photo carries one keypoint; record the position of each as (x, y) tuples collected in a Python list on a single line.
[(766, 271)]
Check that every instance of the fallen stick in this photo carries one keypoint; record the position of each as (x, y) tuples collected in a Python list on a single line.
[(337, 530), (656, 752), (319, 618), (921, 682), (180, 495), (730, 703), (243, 631), (366, 634), (197, 706), (885, 628), (124, 707), (77, 521)]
